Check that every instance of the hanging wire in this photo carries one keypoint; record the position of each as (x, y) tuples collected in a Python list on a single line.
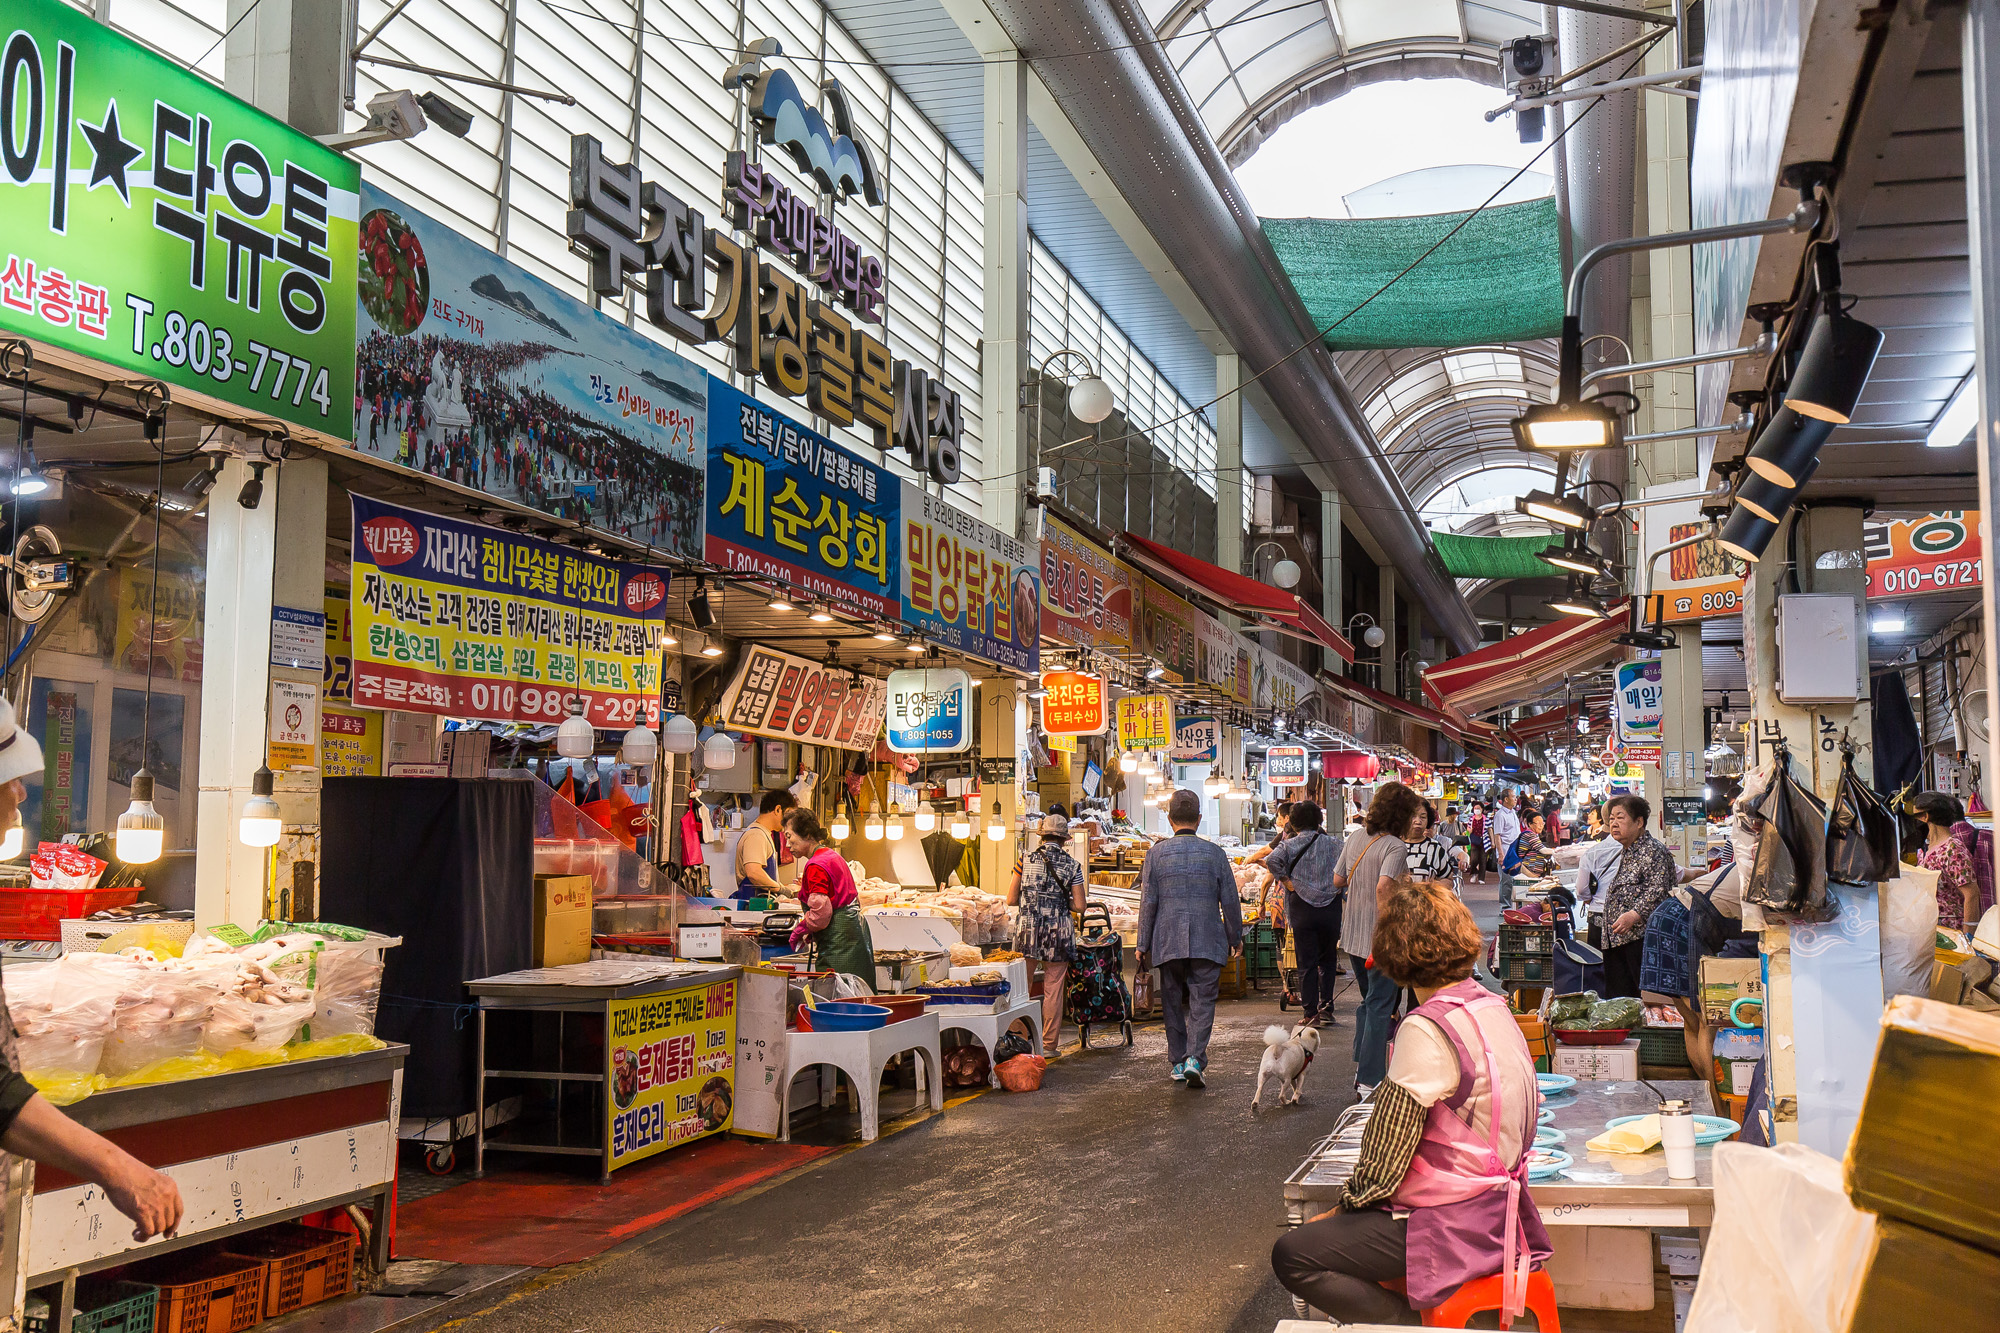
[(153, 612)]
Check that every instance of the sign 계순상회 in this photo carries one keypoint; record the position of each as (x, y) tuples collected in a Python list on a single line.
[(153, 223), (968, 585), (787, 504), (467, 620), (670, 1070), (1073, 704), (791, 698), (1285, 765), (930, 711)]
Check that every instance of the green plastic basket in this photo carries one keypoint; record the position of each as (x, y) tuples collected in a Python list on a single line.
[(1663, 1046), (103, 1306)]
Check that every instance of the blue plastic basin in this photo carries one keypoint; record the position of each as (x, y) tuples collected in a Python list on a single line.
[(849, 1016)]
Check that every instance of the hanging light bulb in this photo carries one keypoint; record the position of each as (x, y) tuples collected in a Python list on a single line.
[(1128, 762), (997, 829), (926, 819), (840, 830), (575, 738), (718, 751), (894, 828), (141, 831), (872, 829), (12, 841), (680, 735), (961, 825), (260, 823), (1215, 785), (1147, 766), (640, 746)]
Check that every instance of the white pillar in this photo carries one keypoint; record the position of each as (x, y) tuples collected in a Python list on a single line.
[(283, 57), (1229, 535), (1332, 602), (1386, 596), (1004, 357), (1980, 77)]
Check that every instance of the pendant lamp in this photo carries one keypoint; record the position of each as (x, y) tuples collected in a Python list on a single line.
[(1746, 534), (997, 829), (840, 830), (680, 735), (961, 825), (640, 746), (261, 823), (576, 738), (718, 751), (893, 828), (141, 833), (1770, 499), (1833, 368), (926, 818), (1784, 448), (871, 829)]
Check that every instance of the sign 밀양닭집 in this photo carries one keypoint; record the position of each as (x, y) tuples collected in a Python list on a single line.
[(194, 239), (1641, 703), (1073, 704), (1285, 765), (967, 584), (670, 1070), (472, 621), (930, 711), (792, 698), (790, 505)]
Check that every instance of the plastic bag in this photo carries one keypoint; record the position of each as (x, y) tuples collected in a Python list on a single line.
[(160, 1012), (349, 1043), (1568, 1011), (65, 1089), (1789, 874), (1786, 1247), (1862, 839), (62, 1013), (1909, 915), (1023, 1073), (1626, 1013)]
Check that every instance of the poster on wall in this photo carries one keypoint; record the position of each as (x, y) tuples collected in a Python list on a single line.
[(294, 726), (670, 1069), (1087, 596), (968, 585), (796, 699), (930, 711), (194, 240), (467, 620), (1934, 553), (473, 370), (164, 625), (1167, 631), (787, 504), (350, 742)]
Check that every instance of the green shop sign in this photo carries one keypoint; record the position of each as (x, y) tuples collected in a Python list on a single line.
[(153, 223)]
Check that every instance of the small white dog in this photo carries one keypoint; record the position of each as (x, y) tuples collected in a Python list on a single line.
[(1286, 1055)]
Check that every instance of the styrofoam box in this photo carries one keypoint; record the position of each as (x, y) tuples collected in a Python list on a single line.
[(1014, 969), (1599, 1063)]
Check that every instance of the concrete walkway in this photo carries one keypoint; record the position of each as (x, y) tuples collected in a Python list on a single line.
[(1112, 1198)]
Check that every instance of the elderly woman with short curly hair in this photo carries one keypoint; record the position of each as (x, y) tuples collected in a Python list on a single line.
[(1370, 862), (1443, 1162)]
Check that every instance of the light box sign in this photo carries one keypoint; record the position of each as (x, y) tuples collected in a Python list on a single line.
[(153, 223), (787, 504), (1168, 631), (1145, 722), (968, 585), (1641, 703), (466, 620), (1696, 582), (791, 698), (1285, 765), (473, 370), (1935, 553), (1073, 704), (1087, 596), (1197, 740), (930, 711)]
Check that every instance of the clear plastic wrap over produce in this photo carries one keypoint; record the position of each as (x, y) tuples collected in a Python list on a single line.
[(63, 1014), (161, 1010)]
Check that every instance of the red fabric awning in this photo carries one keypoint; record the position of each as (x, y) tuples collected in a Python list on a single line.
[(1279, 609), (1503, 672), (1351, 766), (1555, 722), (1389, 703)]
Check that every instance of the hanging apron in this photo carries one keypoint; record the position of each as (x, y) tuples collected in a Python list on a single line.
[(1460, 1194), (843, 946)]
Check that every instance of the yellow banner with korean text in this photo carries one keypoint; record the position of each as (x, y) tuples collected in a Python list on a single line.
[(1145, 722)]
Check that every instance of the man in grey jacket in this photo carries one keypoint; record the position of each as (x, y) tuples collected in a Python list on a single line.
[(1190, 924)]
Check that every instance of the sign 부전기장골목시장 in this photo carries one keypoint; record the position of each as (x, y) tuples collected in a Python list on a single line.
[(153, 223)]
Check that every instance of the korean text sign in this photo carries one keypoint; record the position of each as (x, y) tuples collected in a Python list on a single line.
[(1935, 553), (1641, 703), (1145, 722), (788, 504), (795, 699), (967, 584), (472, 621), (152, 222), (1285, 765), (930, 711), (1087, 597), (1073, 704), (1168, 631), (1197, 740), (670, 1066)]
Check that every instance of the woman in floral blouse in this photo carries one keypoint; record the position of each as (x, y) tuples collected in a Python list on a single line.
[(1958, 878), (1535, 859)]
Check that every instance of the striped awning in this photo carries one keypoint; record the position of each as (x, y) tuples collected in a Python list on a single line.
[(1516, 668)]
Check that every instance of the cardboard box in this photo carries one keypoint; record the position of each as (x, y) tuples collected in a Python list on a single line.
[(1599, 1063), (1725, 981), (562, 920), (1602, 1268), (1917, 1279)]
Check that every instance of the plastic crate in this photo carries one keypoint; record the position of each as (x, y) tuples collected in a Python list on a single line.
[(1527, 969), (1260, 951), (103, 1305), (37, 914), (1663, 1046), (89, 936), (204, 1291), (302, 1265), (1528, 939)]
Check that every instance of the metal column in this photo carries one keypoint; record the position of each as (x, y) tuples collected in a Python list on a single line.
[(1004, 360), (1229, 465), (1980, 77)]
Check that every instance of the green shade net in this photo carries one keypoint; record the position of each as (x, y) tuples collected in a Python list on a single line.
[(1494, 557), (1499, 279)]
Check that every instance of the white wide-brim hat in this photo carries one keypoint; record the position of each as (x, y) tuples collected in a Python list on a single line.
[(20, 753)]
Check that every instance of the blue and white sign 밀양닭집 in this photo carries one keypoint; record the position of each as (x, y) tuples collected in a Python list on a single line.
[(930, 711)]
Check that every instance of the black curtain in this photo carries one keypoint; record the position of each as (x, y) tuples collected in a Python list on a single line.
[(448, 864), (1899, 748)]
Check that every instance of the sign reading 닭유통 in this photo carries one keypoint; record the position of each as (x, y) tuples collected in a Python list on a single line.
[(472, 621), (153, 223)]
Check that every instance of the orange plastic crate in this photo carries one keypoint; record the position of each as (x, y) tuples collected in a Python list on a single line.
[(302, 1265), (204, 1291), (38, 914)]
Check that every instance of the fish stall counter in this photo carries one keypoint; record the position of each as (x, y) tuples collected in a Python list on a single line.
[(622, 1057)]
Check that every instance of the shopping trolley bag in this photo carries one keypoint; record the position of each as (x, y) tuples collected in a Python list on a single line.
[(1095, 989)]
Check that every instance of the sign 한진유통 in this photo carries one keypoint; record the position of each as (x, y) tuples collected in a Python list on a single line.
[(794, 699), (471, 621), (1073, 704), (670, 1070), (1087, 595), (153, 223)]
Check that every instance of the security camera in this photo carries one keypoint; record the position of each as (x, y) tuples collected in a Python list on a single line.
[(453, 119), (391, 116)]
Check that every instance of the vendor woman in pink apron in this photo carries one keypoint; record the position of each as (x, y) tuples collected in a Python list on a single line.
[(1439, 1195)]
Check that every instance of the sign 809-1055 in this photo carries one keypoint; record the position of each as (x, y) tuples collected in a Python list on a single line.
[(209, 349)]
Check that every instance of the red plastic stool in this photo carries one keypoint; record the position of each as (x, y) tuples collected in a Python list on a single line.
[(1482, 1294)]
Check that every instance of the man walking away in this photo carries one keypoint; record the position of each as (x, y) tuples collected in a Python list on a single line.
[(1190, 924)]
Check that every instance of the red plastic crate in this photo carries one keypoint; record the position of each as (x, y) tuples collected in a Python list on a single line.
[(37, 914)]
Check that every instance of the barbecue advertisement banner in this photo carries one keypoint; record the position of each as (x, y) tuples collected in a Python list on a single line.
[(968, 585), (1694, 582), (670, 1067), (471, 621), (1087, 597), (194, 239), (787, 504), (1934, 553), (796, 699), (474, 370)]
